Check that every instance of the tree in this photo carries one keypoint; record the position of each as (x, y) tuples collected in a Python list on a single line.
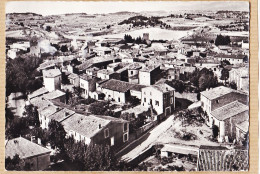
[(99, 158), (222, 40), (57, 134), (48, 28), (64, 48), (19, 126), (9, 116), (233, 85), (13, 163), (32, 115), (74, 152), (99, 108), (224, 74)]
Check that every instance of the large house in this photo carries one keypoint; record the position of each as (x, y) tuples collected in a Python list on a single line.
[(30, 153), (88, 84), (240, 76), (53, 113), (97, 129), (116, 90), (160, 97), (52, 79), (225, 108), (149, 74)]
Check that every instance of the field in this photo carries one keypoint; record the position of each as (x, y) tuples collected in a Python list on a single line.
[(154, 34)]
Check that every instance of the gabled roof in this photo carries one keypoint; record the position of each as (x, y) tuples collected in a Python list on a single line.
[(61, 114), (24, 148), (47, 111), (163, 87), (38, 92), (229, 110), (117, 85), (51, 73), (40, 102), (73, 76), (88, 126), (53, 95), (243, 125), (216, 92)]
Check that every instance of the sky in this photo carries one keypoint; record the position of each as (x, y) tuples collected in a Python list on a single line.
[(91, 7)]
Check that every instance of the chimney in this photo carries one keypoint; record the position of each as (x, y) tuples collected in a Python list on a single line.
[(99, 126)]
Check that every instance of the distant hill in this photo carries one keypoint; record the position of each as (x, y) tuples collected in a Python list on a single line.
[(23, 14), (124, 13)]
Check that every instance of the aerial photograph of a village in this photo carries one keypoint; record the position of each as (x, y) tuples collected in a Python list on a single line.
[(127, 86)]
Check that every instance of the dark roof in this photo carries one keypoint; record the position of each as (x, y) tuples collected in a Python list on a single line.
[(117, 85), (203, 147)]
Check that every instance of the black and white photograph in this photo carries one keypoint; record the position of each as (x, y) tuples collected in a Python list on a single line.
[(127, 85)]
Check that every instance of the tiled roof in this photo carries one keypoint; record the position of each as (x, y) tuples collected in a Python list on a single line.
[(38, 92), (85, 77), (105, 71), (73, 76), (117, 85), (149, 68), (216, 92), (243, 125), (51, 73), (53, 94), (47, 111), (87, 126), (90, 62), (229, 110), (61, 114), (24, 148), (163, 87), (40, 102)]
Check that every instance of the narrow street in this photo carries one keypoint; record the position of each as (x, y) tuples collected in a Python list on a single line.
[(131, 151)]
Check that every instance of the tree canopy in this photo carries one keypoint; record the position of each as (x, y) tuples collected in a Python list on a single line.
[(222, 40)]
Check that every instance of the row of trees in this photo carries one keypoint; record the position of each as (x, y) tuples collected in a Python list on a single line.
[(130, 39)]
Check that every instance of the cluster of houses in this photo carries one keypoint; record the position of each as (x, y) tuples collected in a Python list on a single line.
[(107, 70)]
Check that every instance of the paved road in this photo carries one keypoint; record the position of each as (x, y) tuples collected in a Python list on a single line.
[(148, 139)]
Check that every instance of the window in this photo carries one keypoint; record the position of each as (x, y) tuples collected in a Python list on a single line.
[(217, 101), (82, 84), (132, 72), (144, 93), (171, 100), (156, 102), (144, 99), (106, 131), (150, 93), (118, 99), (125, 137), (125, 127)]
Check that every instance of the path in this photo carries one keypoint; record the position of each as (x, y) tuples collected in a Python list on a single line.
[(149, 139)]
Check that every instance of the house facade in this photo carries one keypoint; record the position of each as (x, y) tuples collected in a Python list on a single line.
[(88, 84), (97, 129), (52, 79), (148, 75), (160, 97)]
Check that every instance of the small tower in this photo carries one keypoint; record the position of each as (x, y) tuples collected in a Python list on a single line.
[(146, 36)]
